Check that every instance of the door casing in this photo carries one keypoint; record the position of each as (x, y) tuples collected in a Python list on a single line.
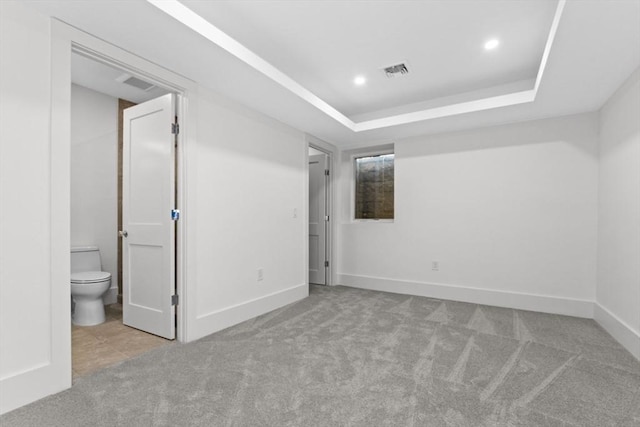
[(66, 40)]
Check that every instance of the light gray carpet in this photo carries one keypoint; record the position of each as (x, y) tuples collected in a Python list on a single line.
[(350, 357)]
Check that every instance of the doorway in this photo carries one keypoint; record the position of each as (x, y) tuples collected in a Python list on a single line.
[(319, 207), (101, 96)]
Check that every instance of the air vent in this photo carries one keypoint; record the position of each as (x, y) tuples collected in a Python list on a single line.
[(396, 70), (135, 82)]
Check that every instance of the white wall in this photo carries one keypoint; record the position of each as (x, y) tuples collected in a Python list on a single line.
[(246, 179), (94, 177), (34, 316), (509, 212), (618, 289)]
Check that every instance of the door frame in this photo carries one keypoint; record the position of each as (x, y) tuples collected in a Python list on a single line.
[(331, 151), (65, 40)]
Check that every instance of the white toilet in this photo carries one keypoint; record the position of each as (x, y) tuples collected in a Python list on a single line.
[(88, 284)]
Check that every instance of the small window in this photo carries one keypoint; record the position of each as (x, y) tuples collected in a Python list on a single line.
[(374, 187)]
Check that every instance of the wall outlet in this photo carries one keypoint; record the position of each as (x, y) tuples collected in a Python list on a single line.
[(435, 265), (260, 275)]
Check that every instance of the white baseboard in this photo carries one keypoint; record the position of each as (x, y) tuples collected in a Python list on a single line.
[(218, 320), (521, 301), (618, 329), (21, 388)]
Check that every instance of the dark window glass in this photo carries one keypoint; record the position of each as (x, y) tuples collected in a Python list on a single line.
[(374, 187)]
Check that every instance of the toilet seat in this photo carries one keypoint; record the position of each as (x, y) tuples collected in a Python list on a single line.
[(86, 277)]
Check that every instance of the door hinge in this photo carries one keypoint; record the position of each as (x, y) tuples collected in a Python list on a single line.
[(326, 172), (175, 214), (326, 263), (175, 128), (174, 299), (326, 218)]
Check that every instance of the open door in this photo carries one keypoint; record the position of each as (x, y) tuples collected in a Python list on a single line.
[(318, 170), (148, 227)]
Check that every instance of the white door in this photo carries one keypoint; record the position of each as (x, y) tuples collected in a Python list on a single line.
[(318, 164), (148, 191)]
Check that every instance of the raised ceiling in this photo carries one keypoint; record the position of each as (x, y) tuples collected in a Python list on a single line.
[(328, 43), (321, 45)]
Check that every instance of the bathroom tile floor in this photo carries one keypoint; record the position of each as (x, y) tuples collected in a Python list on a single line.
[(97, 347)]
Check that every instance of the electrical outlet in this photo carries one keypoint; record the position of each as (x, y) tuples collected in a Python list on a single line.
[(260, 275), (435, 266)]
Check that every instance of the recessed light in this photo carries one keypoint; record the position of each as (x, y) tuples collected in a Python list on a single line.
[(491, 44), (359, 80)]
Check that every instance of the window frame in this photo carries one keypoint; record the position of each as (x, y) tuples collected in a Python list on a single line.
[(354, 172)]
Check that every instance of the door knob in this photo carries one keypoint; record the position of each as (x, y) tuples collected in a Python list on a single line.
[(123, 233)]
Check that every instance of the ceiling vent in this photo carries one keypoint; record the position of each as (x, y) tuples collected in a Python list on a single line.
[(396, 70), (135, 82)]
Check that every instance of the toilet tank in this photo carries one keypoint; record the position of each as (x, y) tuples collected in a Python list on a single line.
[(85, 258)]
